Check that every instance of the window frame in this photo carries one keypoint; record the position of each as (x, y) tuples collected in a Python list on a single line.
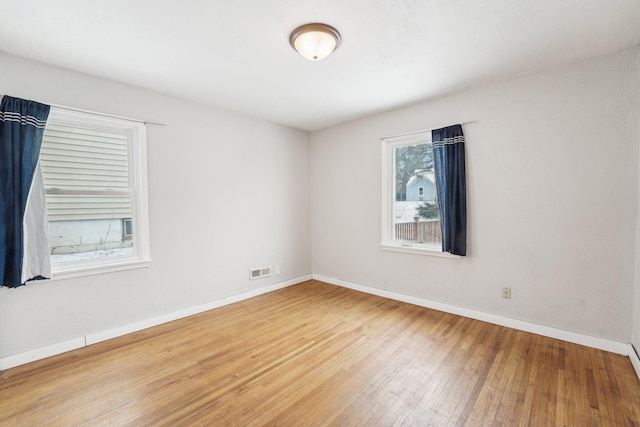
[(387, 242), (138, 191)]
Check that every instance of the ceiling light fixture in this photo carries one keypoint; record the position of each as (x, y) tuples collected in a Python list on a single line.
[(315, 41)]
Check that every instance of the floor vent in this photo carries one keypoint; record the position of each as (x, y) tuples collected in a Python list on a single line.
[(259, 273)]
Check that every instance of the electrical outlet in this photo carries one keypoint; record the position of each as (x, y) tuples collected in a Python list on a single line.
[(506, 293), (277, 270)]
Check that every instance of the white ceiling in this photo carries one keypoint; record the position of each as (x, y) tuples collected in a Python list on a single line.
[(235, 54)]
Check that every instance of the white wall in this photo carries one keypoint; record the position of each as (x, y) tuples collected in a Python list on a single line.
[(227, 193), (552, 181), (553, 194)]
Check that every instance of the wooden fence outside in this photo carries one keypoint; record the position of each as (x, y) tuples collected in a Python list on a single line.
[(419, 231)]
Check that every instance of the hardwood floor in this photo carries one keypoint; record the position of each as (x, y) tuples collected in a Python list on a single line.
[(317, 354)]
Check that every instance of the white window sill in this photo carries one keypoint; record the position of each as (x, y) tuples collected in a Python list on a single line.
[(99, 269), (418, 250)]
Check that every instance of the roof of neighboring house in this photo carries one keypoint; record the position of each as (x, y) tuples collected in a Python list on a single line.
[(429, 176)]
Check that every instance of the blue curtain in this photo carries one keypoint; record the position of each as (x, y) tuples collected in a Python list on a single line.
[(448, 153), (22, 209)]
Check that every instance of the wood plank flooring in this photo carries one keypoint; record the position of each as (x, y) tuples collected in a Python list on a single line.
[(316, 354)]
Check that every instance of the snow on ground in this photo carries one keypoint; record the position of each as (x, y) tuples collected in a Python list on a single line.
[(93, 255), (405, 211)]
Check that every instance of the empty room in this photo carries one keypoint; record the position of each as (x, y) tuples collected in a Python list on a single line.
[(348, 213)]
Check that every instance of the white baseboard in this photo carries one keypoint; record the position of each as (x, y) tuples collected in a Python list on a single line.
[(635, 360), (41, 353), (79, 342), (547, 331)]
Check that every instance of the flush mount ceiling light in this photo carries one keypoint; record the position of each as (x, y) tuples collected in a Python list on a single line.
[(315, 41)]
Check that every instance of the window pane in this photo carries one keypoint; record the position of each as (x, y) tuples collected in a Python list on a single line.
[(75, 158), (415, 209), (89, 228)]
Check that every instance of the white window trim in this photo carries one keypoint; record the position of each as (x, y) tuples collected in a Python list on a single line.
[(388, 196), (141, 257), (417, 250), (91, 269)]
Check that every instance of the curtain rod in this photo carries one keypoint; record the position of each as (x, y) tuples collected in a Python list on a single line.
[(113, 116), (425, 130)]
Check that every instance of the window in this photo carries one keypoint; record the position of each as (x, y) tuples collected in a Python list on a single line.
[(94, 171), (127, 229), (410, 214)]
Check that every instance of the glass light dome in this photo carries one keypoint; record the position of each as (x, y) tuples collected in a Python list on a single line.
[(315, 41)]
